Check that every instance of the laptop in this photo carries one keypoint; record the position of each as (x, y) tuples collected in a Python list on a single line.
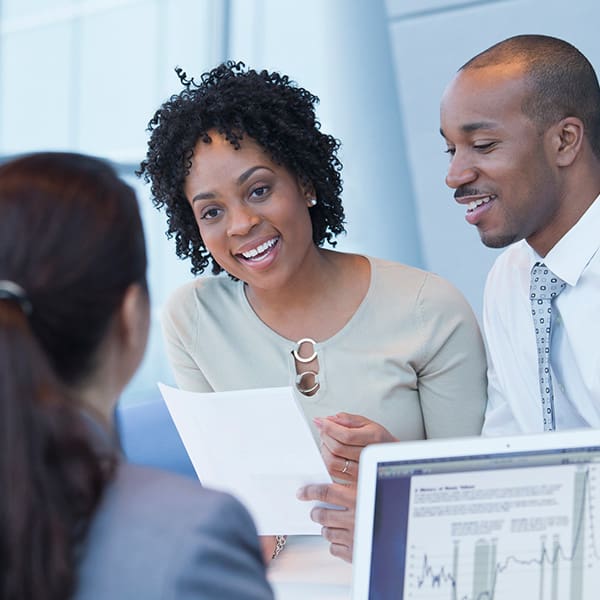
[(502, 518)]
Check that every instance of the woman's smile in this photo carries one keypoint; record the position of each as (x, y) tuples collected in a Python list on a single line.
[(260, 255), (252, 214)]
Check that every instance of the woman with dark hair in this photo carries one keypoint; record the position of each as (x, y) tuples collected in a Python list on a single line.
[(75, 521), (377, 351)]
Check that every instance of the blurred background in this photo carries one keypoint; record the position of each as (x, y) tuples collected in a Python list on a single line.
[(87, 76)]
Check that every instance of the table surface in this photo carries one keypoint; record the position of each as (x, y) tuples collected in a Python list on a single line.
[(306, 570)]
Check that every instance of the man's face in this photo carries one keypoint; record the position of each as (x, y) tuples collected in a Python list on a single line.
[(500, 163)]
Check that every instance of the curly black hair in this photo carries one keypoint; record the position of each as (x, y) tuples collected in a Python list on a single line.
[(235, 101)]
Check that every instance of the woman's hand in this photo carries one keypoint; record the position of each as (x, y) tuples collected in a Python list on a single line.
[(267, 544), (337, 524), (343, 436)]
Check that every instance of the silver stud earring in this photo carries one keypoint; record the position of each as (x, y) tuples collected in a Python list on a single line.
[(312, 202)]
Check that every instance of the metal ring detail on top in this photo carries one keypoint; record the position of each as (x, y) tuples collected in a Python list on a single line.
[(296, 350)]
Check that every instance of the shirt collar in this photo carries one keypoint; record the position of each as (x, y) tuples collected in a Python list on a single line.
[(572, 253)]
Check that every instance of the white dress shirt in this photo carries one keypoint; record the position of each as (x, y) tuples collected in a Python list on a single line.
[(514, 402)]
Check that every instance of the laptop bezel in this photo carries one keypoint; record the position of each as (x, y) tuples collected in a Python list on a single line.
[(473, 447)]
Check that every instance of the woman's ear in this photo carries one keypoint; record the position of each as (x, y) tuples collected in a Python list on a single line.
[(567, 140), (310, 195), (134, 320)]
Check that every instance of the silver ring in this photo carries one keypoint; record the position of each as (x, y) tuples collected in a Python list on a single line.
[(346, 465), (311, 389), (296, 350)]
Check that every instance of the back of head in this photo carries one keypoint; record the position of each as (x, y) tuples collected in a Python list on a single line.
[(563, 82), (71, 243)]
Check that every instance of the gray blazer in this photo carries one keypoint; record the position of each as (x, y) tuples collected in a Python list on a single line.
[(157, 535)]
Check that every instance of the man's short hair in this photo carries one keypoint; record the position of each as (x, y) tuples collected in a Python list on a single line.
[(563, 82)]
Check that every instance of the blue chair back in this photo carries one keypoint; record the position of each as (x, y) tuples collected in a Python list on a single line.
[(149, 437)]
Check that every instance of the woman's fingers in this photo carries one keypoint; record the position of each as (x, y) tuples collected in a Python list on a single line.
[(337, 523), (341, 468)]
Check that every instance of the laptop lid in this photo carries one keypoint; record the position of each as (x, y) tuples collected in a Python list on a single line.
[(479, 519)]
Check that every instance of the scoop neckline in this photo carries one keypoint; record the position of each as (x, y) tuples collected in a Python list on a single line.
[(340, 333)]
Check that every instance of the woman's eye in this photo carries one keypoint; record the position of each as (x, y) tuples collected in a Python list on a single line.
[(483, 147), (209, 214), (260, 192), (450, 151)]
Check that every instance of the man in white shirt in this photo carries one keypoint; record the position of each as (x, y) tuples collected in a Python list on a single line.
[(522, 124)]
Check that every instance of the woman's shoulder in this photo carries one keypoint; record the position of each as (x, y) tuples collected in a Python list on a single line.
[(397, 271), (141, 488), (209, 290), (414, 282), (153, 527), (207, 286), (144, 502)]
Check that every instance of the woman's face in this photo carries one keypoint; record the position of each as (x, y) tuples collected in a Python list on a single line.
[(252, 213)]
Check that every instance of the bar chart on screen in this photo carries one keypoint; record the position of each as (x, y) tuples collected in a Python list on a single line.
[(505, 534)]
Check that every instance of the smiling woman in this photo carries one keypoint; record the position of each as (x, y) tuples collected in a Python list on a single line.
[(251, 213), (377, 351)]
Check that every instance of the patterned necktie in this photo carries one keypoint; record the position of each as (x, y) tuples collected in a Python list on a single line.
[(545, 286)]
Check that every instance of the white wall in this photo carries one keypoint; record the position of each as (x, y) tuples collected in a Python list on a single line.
[(87, 75)]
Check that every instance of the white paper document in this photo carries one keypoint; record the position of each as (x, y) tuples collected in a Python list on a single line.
[(256, 445)]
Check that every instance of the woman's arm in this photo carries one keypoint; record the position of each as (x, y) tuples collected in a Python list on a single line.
[(452, 369), (179, 333)]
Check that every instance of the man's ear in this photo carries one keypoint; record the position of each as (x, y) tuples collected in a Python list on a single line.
[(567, 140)]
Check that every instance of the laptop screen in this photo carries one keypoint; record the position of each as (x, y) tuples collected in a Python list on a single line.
[(481, 519)]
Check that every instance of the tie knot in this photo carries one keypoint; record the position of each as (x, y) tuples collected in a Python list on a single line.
[(545, 285)]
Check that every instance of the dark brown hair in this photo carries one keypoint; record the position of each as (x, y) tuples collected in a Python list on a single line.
[(71, 238)]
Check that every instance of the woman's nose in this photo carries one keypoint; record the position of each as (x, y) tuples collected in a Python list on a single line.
[(241, 220)]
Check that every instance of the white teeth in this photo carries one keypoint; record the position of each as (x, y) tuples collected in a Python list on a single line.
[(473, 205), (259, 249)]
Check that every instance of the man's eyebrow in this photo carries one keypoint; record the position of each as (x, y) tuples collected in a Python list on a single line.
[(476, 126), (470, 127)]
